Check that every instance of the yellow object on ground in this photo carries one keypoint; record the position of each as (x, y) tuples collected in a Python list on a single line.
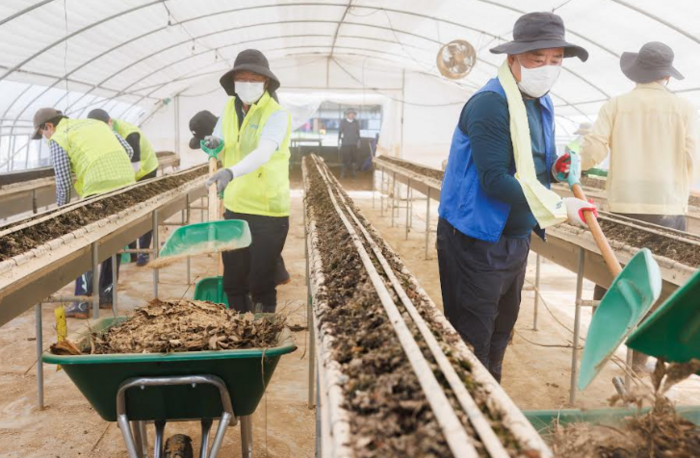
[(266, 190), (652, 137), (546, 205), (61, 326), (149, 161), (98, 159)]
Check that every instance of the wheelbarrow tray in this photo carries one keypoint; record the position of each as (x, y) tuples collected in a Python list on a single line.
[(545, 420), (246, 373)]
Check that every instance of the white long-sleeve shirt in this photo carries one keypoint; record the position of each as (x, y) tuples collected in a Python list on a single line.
[(271, 137)]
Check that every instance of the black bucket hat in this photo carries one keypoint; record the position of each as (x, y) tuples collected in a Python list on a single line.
[(652, 63), (201, 125), (534, 31), (253, 61)]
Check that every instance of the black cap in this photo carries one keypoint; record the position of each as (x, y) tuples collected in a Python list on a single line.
[(99, 114), (201, 125), (652, 63), (254, 61), (534, 31)]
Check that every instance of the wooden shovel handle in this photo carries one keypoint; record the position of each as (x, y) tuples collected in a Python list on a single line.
[(600, 240), (214, 208)]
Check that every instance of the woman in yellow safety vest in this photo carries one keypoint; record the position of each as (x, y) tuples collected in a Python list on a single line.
[(251, 139)]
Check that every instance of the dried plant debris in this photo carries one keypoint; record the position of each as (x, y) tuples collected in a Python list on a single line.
[(25, 239), (389, 413), (686, 253), (185, 325), (427, 171), (659, 433)]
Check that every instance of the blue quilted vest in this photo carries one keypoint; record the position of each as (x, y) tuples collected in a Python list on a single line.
[(463, 202)]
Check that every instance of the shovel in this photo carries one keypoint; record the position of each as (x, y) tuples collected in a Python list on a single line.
[(632, 293), (209, 237), (672, 332)]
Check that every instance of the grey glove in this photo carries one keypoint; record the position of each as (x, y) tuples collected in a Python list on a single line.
[(222, 178), (212, 142)]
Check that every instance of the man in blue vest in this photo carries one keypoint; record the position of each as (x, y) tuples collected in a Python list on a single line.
[(492, 198)]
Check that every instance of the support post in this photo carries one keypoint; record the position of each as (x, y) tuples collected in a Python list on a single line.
[(115, 281), (427, 225), (309, 319), (408, 207), (156, 250), (393, 198), (577, 326), (35, 209), (95, 282), (246, 436), (381, 194), (39, 362), (538, 261), (629, 362)]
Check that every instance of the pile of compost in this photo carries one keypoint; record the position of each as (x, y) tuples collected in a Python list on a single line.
[(185, 325), (388, 412), (426, 171), (25, 239), (659, 433), (686, 253)]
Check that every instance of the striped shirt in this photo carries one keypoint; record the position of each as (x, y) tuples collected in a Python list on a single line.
[(61, 166)]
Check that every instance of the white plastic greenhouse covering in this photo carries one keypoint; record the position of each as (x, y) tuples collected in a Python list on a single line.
[(157, 63)]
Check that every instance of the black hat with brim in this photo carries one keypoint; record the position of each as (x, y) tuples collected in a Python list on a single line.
[(201, 125), (254, 61), (652, 63), (535, 31)]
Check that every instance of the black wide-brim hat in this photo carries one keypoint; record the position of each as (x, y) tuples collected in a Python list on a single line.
[(534, 31), (254, 61), (201, 125), (653, 62)]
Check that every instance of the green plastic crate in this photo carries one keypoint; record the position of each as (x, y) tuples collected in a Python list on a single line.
[(246, 373), (542, 420), (211, 289)]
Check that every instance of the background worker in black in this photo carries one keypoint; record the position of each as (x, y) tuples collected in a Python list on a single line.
[(349, 143)]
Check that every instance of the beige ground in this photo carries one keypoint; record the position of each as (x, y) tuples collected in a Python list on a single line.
[(536, 374)]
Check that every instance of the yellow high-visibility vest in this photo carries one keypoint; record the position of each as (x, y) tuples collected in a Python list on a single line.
[(149, 161), (264, 191), (96, 157)]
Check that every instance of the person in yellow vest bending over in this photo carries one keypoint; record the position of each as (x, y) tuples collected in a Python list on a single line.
[(95, 154), (252, 140), (143, 152)]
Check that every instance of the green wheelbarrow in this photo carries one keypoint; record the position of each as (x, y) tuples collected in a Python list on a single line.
[(133, 389)]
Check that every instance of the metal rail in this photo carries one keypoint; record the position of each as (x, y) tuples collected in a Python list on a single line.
[(445, 414)]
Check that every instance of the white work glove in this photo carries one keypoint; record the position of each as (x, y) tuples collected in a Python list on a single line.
[(222, 178), (136, 166), (575, 208)]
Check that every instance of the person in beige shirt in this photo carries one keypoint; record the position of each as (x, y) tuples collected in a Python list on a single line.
[(651, 136)]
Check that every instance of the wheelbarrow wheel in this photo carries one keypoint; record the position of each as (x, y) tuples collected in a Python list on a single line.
[(178, 446)]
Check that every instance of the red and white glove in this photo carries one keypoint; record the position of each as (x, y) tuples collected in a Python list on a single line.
[(561, 167), (575, 208)]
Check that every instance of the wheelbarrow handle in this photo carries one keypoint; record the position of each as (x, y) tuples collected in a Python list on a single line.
[(598, 235)]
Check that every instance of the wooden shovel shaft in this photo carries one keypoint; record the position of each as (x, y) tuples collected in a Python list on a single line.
[(214, 206), (600, 240)]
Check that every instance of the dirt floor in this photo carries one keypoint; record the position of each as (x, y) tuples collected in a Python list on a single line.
[(68, 427), (536, 373)]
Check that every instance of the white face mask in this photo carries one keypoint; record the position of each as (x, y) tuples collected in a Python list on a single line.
[(536, 82), (249, 92)]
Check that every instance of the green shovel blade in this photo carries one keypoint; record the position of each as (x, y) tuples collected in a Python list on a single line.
[(208, 237), (672, 332), (629, 298)]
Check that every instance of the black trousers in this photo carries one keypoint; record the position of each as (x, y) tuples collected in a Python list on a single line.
[(249, 273), (145, 239), (351, 161), (671, 221), (482, 286)]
